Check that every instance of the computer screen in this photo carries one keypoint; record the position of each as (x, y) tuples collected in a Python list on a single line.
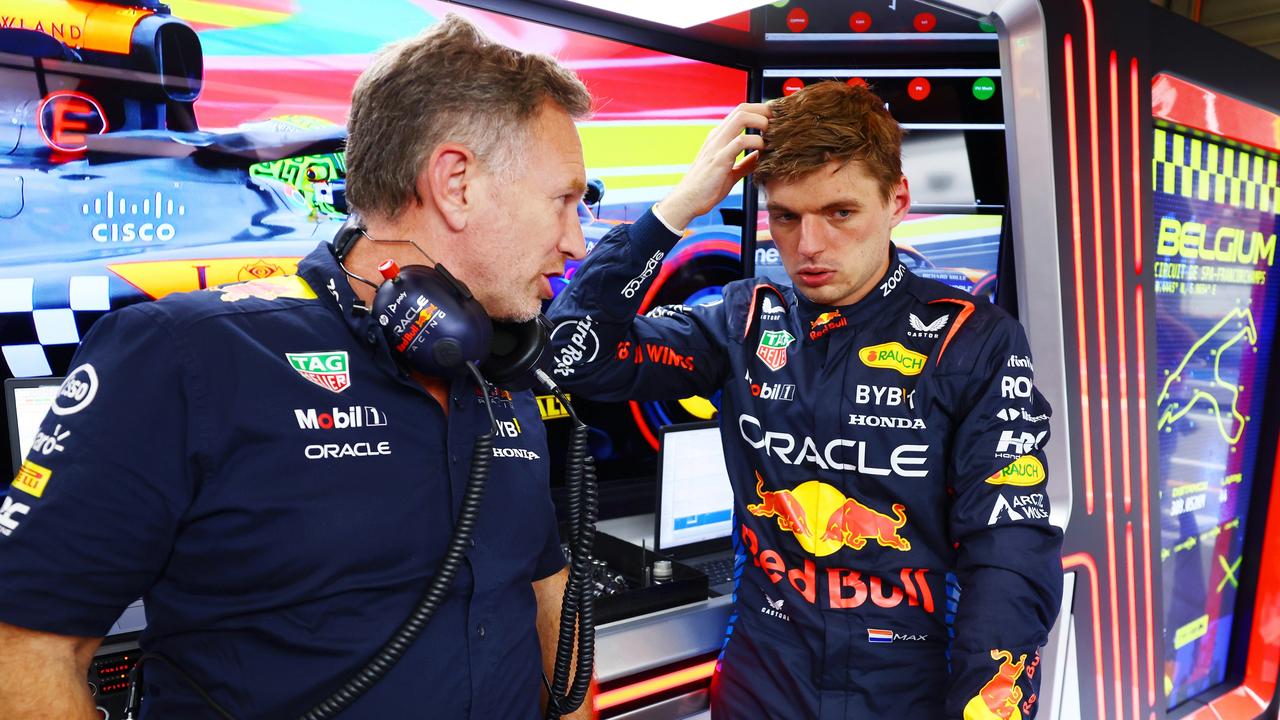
[(695, 500), (26, 403), (1216, 292)]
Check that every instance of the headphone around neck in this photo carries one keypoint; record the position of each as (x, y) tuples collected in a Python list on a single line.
[(433, 323)]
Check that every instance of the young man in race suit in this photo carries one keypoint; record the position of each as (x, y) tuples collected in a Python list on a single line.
[(255, 464), (882, 432)]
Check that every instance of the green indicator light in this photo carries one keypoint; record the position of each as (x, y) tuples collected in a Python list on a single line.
[(985, 26), (984, 88), (782, 3)]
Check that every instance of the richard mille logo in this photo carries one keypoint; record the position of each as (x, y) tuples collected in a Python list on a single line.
[(125, 221)]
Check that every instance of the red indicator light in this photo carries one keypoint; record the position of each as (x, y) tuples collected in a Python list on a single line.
[(797, 20), (66, 118), (924, 22), (919, 89), (792, 86), (856, 82), (860, 21)]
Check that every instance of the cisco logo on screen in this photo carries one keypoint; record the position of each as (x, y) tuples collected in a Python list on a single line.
[(124, 220)]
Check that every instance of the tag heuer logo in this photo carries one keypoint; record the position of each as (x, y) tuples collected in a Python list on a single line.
[(329, 370), (772, 350)]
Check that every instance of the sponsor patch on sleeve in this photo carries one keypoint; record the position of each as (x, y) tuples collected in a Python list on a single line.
[(1023, 472), (32, 478)]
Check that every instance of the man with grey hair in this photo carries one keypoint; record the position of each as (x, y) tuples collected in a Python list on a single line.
[(289, 488)]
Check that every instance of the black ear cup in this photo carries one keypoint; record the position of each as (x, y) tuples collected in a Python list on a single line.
[(517, 349), (435, 325)]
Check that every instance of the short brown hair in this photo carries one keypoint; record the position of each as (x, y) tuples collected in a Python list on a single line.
[(830, 121), (448, 84)]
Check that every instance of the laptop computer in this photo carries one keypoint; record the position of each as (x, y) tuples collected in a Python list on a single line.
[(26, 401), (693, 522)]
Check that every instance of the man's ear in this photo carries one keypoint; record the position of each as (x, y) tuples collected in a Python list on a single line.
[(448, 180), (900, 201)]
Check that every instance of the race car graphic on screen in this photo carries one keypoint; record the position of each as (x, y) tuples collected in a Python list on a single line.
[(187, 145)]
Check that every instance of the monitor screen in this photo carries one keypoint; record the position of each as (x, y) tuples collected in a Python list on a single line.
[(26, 403), (1215, 206), (695, 503)]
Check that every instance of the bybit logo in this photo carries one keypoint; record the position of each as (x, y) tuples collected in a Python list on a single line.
[(129, 221)]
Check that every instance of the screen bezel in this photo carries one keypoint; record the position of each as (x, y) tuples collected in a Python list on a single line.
[(697, 548), (11, 387)]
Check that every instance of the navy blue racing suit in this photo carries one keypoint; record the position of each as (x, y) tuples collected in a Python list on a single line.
[(895, 557)]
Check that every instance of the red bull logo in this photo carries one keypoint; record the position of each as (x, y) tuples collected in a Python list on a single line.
[(825, 323), (783, 505), (838, 588), (823, 319), (423, 320), (848, 522), (854, 524), (999, 698)]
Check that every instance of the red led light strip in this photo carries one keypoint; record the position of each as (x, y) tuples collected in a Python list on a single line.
[(1137, 169), (655, 685), (1073, 169), (1143, 479), (1085, 561), (1123, 364), (1133, 617), (1121, 330), (1095, 175)]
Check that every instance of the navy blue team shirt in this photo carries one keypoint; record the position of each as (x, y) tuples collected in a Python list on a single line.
[(251, 461)]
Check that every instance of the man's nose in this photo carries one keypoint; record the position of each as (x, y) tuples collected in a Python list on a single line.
[(572, 242), (812, 236)]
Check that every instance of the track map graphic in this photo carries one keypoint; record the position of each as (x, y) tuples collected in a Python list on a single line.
[(1215, 215), (1219, 394)]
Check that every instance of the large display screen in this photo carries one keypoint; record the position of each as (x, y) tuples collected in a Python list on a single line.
[(86, 232), (1215, 212)]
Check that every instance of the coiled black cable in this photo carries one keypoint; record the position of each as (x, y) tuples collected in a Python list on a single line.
[(577, 612)]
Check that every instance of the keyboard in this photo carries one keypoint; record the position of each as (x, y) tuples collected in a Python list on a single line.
[(717, 570)]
